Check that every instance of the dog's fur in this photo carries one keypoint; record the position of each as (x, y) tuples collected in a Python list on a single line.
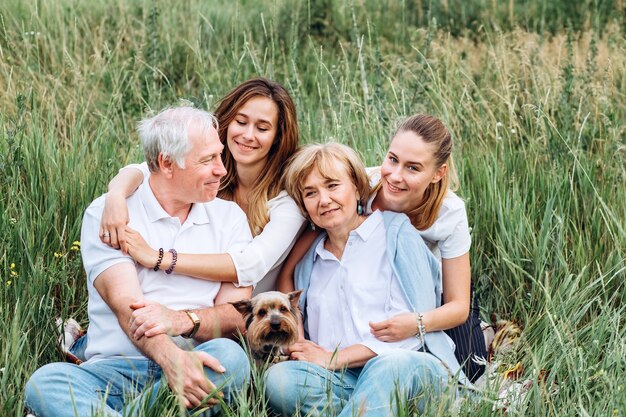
[(271, 324), (506, 337)]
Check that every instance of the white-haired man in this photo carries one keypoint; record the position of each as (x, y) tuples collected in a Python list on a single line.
[(176, 208)]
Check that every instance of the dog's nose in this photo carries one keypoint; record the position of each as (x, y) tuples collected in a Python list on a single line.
[(275, 323)]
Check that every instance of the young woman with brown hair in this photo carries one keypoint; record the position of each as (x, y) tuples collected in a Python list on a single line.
[(258, 125)]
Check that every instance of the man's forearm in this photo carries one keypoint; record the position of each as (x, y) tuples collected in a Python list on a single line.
[(119, 288), (218, 321), (222, 320), (159, 348)]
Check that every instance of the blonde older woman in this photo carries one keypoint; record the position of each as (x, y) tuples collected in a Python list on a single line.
[(362, 269), (418, 178)]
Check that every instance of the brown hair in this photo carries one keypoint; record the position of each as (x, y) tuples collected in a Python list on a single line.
[(285, 143), (431, 130), (327, 158)]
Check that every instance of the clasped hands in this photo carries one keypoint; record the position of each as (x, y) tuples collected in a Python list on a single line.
[(150, 318)]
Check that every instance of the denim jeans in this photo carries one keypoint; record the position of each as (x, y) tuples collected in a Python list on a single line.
[(373, 390), (78, 347), (122, 386)]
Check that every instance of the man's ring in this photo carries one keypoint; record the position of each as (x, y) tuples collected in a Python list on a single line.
[(106, 234)]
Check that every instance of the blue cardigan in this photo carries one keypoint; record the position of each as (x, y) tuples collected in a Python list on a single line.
[(417, 271)]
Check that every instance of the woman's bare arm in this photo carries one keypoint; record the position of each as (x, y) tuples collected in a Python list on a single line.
[(456, 295), (115, 214), (207, 266)]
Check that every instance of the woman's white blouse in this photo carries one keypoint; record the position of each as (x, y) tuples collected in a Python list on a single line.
[(449, 236), (345, 295), (259, 263)]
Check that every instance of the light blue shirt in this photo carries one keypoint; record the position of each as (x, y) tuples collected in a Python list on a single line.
[(417, 271), (346, 294)]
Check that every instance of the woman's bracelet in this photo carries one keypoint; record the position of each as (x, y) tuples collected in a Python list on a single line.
[(421, 328), (158, 264), (173, 264)]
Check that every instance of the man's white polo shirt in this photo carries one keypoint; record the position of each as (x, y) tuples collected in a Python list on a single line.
[(215, 227)]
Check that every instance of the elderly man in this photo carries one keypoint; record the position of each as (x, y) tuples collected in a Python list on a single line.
[(176, 208)]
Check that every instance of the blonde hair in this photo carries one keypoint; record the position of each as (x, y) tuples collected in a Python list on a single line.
[(328, 158), (431, 130), (285, 143)]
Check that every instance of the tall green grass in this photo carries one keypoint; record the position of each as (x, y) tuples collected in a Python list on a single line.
[(532, 91)]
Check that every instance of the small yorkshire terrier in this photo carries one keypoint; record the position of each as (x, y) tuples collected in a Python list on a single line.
[(271, 324)]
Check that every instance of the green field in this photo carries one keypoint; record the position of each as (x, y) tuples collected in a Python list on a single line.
[(533, 91)]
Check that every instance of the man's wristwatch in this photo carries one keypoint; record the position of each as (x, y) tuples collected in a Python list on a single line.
[(196, 324)]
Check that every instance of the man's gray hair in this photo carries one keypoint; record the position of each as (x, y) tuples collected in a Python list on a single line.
[(167, 133)]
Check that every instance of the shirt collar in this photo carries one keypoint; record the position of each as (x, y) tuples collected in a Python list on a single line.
[(155, 212), (364, 232)]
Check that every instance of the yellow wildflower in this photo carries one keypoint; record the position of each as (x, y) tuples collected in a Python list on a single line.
[(58, 254), (8, 283), (14, 273), (12, 265)]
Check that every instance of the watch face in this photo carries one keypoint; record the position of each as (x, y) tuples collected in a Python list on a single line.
[(194, 317), (196, 324)]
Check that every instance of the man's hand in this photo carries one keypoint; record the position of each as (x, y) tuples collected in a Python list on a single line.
[(185, 375), (150, 318)]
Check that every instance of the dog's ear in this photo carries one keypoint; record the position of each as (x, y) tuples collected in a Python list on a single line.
[(243, 306), (294, 297)]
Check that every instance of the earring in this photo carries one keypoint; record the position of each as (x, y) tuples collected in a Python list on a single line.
[(359, 208), (312, 225)]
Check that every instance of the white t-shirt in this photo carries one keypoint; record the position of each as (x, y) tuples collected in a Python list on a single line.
[(217, 226), (449, 236), (259, 263), (345, 295)]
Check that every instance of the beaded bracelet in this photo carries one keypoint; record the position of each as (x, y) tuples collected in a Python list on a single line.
[(173, 264), (158, 264), (421, 328)]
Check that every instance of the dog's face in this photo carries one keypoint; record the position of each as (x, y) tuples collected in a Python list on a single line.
[(271, 320)]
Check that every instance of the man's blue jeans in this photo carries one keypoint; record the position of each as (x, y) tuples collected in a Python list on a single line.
[(373, 390), (110, 385)]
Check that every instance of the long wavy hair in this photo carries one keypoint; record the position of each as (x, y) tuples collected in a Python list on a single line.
[(285, 143), (431, 130)]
